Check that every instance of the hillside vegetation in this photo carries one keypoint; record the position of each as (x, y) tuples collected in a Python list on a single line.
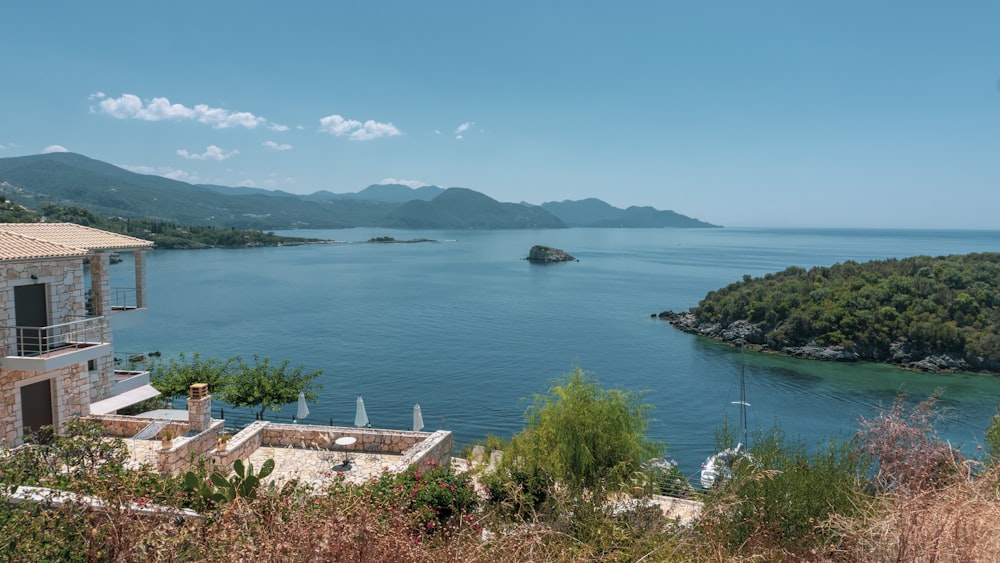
[(945, 308), (165, 235)]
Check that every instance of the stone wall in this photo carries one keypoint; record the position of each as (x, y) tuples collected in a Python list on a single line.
[(415, 447), (319, 437), (240, 446), (436, 448), (186, 453), (103, 378)]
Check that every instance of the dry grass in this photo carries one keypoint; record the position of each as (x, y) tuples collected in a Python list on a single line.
[(959, 522)]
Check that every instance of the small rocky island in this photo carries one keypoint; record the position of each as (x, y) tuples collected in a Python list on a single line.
[(546, 254)]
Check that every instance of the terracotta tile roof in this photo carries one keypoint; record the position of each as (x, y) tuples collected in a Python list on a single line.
[(18, 247), (77, 236)]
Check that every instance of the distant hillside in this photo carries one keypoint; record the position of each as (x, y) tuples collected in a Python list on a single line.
[(596, 213), (467, 209), (68, 179), (393, 193)]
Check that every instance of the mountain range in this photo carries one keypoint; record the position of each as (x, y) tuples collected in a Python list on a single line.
[(69, 179)]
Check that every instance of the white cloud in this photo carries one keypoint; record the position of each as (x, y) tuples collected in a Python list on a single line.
[(248, 184), (130, 106), (408, 183), (461, 129), (212, 152), (355, 130), (54, 148), (277, 127), (277, 146)]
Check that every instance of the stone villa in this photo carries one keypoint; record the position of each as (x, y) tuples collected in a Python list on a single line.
[(58, 360)]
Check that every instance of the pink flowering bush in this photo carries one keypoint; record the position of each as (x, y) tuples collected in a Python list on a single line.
[(435, 496)]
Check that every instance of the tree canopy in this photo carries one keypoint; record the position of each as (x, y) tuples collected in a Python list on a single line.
[(174, 378), (582, 435), (948, 304), (260, 384), (165, 234), (268, 386)]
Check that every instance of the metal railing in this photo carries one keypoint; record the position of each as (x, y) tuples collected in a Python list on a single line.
[(124, 298), (33, 341)]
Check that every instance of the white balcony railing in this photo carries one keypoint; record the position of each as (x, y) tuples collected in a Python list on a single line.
[(33, 341)]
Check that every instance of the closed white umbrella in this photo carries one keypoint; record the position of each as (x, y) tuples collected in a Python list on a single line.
[(303, 410), (361, 417), (418, 419)]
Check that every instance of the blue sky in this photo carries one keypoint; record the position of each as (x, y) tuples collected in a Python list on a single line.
[(834, 114)]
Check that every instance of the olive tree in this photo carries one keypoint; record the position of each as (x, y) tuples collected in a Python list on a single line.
[(175, 377), (266, 385)]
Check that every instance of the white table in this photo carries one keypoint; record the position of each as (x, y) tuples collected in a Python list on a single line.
[(344, 442)]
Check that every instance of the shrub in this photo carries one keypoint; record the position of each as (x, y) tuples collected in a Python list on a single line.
[(905, 445), (993, 437), (778, 500), (583, 436), (434, 496)]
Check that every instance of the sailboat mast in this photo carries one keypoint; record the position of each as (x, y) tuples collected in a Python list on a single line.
[(743, 396)]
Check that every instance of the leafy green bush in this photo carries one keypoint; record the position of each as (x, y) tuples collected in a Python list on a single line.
[(784, 495), (216, 488), (584, 436)]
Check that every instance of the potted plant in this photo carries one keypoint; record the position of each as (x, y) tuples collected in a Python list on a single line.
[(167, 438), (221, 444)]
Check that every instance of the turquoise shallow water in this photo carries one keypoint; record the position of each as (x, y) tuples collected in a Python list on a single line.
[(469, 329)]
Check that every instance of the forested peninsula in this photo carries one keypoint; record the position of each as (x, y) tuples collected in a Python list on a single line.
[(164, 234), (927, 313)]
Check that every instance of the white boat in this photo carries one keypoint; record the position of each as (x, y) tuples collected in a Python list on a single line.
[(718, 467)]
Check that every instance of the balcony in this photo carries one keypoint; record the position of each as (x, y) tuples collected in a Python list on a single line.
[(53, 347), (125, 300), (130, 387)]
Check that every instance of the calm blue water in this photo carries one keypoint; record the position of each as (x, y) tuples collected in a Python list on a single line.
[(468, 329)]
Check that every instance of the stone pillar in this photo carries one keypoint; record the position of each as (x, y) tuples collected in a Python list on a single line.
[(100, 283), (140, 278), (199, 406)]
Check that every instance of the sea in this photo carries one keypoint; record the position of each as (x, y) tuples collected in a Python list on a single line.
[(468, 329)]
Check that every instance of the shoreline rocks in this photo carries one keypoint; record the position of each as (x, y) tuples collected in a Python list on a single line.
[(546, 254), (902, 353)]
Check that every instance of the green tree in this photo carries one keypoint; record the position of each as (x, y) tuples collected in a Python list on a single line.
[(583, 436), (268, 386), (177, 375)]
